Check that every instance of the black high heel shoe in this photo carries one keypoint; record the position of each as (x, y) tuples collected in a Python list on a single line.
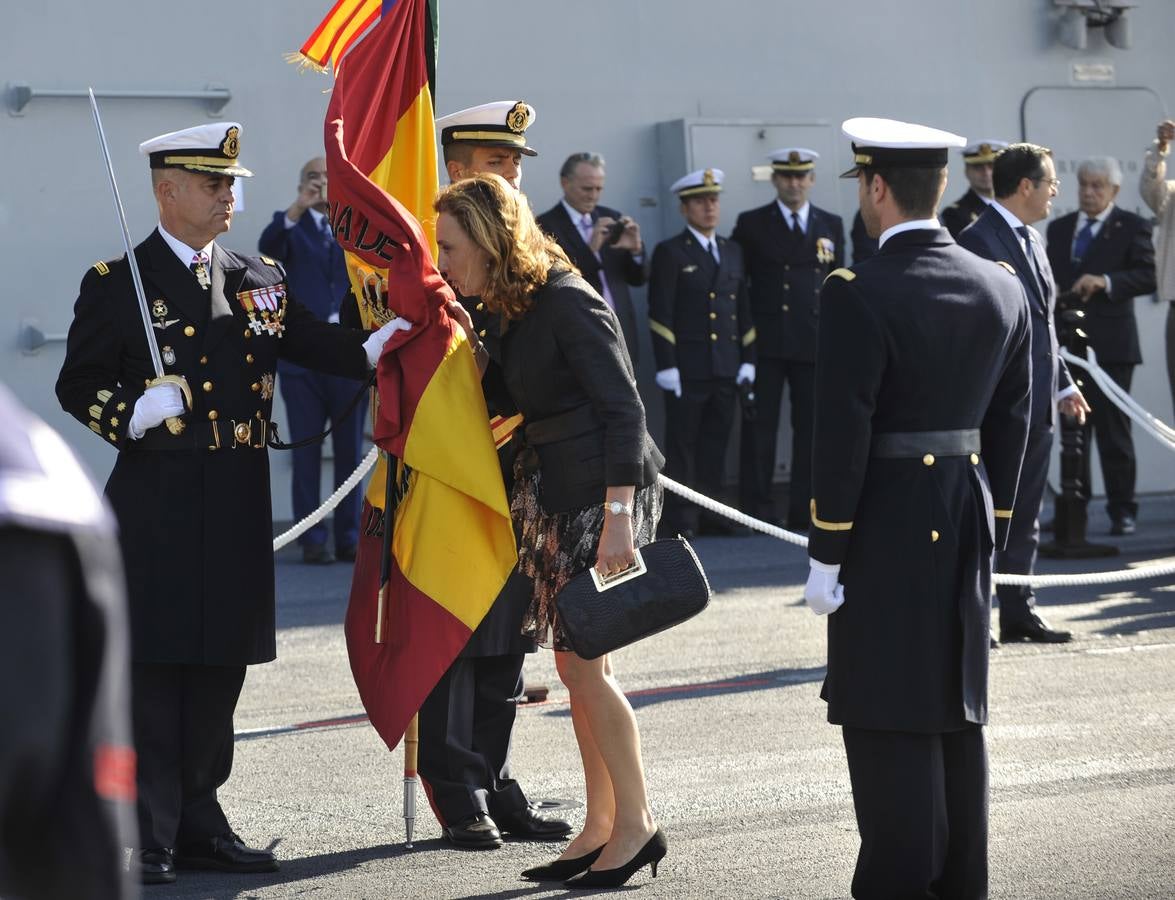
[(650, 854), (562, 869)]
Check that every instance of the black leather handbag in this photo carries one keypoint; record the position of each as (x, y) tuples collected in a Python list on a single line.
[(665, 587)]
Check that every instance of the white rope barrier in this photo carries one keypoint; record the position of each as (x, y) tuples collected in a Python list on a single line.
[(331, 502), (1121, 398)]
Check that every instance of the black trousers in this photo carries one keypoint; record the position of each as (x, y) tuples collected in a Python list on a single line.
[(466, 724), (1171, 349), (760, 438), (697, 429), (921, 803), (1017, 601), (183, 724), (1115, 446)]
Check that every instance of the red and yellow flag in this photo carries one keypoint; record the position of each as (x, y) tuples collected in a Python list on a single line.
[(453, 544)]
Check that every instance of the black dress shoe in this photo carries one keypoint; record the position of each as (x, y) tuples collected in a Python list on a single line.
[(562, 869), (156, 866), (649, 855), (477, 832), (1034, 629), (317, 555), (226, 853), (530, 824), (346, 554), (1122, 526)]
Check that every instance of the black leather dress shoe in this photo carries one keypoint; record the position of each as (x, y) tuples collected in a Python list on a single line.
[(156, 866), (1122, 525), (530, 824), (1034, 629), (477, 832), (317, 555), (226, 853)]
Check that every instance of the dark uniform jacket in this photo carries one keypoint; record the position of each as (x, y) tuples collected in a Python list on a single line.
[(1123, 250), (785, 277), (963, 212), (618, 266), (67, 772), (699, 310), (193, 509), (993, 238), (925, 336)]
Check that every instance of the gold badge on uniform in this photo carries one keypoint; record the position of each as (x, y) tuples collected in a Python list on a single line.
[(518, 119), (159, 308), (267, 386), (231, 145), (825, 250), (168, 355), (266, 308)]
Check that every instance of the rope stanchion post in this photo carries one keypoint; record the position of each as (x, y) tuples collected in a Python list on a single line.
[(1071, 507)]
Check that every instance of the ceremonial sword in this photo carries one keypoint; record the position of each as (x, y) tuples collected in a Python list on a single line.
[(174, 424)]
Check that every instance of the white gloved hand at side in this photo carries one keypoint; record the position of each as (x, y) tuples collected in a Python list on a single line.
[(163, 401), (746, 372), (374, 345), (669, 380), (823, 593)]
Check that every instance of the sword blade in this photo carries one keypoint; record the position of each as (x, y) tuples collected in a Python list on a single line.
[(140, 294)]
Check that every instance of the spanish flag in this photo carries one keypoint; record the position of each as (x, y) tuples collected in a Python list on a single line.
[(453, 545)]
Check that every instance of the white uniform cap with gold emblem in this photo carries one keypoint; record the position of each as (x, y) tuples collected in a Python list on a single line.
[(212, 148), (888, 143), (978, 153), (793, 159), (703, 181), (502, 123)]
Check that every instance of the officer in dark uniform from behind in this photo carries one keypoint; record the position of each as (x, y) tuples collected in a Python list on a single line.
[(922, 410), (467, 721), (978, 158), (67, 770), (703, 344), (190, 487), (789, 247)]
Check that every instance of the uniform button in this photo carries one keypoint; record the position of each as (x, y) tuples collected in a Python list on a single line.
[(713, 336), (786, 307), (189, 330), (733, 317), (207, 387), (480, 307), (255, 386), (787, 287), (734, 337), (974, 459), (213, 415), (203, 360), (786, 268), (248, 357), (248, 332), (933, 536), (732, 296), (713, 315), (712, 295), (816, 270), (481, 333), (928, 459)]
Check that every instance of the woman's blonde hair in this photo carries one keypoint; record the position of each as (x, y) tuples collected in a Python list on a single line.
[(498, 219)]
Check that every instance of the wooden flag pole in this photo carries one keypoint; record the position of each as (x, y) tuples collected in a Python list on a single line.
[(411, 747)]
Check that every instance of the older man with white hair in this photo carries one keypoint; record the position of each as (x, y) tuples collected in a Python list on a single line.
[(1102, 257)]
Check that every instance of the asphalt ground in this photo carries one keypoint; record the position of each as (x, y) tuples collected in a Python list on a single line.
[(745, 775)]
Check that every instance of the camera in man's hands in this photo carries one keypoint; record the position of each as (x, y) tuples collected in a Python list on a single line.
[(616, 231)]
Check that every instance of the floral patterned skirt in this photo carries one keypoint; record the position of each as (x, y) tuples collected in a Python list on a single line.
[(552, 548)]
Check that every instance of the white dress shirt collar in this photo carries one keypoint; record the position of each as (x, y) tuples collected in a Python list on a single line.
[(802, 213), (182, 250), (912, 225), (702, 239), (1098, 221)]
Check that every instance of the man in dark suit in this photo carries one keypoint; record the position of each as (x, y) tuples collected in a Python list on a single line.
[(789, 246), (192, 498), (978, 158), (1103, 258), (703, 343), (1025, 184), (604, 244), (923, 363), (301, 239)]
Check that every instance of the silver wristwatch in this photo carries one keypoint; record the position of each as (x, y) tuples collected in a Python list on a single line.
[(618, 509)]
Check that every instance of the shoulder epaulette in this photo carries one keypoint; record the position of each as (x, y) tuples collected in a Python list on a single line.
[(269, 262), (1006, 265), (101, 268), (846, 274)]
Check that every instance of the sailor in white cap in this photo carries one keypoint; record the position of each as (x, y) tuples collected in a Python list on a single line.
[(192, 498), (703, 344), (789, 246), (922, 406), (487, 138), (978, 157)]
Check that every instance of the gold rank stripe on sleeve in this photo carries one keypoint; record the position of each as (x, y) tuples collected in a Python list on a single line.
[(269, 262), (661, 331), (1003, 514), (101, 268), (846, 274), (749, 338), (827, 526)]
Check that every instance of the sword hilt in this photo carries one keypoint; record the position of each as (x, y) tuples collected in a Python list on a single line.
[(175, 424)]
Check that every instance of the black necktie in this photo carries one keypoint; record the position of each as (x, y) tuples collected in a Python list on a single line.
[(1030, 252), (712, 249), (796, 230)]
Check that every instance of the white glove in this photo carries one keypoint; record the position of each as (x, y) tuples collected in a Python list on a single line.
[(669, 380), (374, 345), (157, 403), (746, 372), (823, 593)]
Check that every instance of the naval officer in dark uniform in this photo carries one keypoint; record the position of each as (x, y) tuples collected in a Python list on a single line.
[(467, 721), (922, 395), (978, 158), (789, 247), (703, 344), (190, 487)]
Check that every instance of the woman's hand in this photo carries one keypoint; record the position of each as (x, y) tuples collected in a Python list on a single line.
[(461, 315), (616, 551)]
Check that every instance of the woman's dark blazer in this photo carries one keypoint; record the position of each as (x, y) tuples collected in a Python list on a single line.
[(564, 366)]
